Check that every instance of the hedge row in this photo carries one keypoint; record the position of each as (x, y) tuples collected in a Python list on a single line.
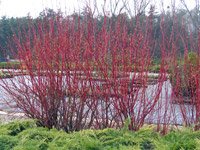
[(26, 135), (10, 65)]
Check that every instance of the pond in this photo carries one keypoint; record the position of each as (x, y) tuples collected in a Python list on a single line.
[(164, 110)]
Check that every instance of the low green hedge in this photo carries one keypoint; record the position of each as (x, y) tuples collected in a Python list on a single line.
[(26, 135), (10, 65)]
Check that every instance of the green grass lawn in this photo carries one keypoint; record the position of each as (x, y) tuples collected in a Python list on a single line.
[(26, 135)]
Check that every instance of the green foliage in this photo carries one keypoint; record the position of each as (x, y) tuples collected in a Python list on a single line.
[(155, 65), (32, 145), (83, 140), (154, 68), (183, 75), (15, 128), (146, 144), (193, 58), (8, 28), (25, 135), (4, 130), (126, 124), (7, 142), (181, 140), (10, 65), (39, 133)]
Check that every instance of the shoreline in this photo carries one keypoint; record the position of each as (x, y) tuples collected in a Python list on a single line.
[(6, 117)]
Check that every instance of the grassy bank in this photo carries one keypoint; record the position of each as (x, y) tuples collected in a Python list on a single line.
[(5, 75), (10, 65), (26, 135)]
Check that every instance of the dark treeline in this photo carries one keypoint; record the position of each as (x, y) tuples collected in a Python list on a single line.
[(10, 27), (179, 19)]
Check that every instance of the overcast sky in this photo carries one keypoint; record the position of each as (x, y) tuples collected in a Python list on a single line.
[(19, 8)]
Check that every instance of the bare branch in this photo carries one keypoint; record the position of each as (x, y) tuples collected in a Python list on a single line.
[(138, 5), (192, 17)]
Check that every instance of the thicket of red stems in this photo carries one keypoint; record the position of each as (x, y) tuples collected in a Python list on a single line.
[(83, 75), (184, 72)]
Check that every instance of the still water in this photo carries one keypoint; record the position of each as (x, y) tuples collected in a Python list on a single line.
[(164, 110)]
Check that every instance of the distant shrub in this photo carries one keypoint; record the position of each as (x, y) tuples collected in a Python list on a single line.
[(10, 65), (154, 68), (183, 75)]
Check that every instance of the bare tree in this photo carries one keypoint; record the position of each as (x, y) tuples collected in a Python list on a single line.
[(138, 5), (193, 14)]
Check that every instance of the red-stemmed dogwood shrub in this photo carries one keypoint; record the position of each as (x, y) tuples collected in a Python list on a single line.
[(82, 75)]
